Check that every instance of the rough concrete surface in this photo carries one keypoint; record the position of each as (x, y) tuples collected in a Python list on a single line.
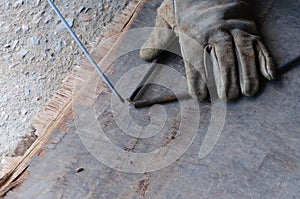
[(257, 155), (36, 52)]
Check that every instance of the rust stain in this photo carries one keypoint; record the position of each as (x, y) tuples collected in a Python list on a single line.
[(62, 125), (171, 137), (291, 165), (143, 186), (108, 118), (173, 131), (42, 153), (184, 28)]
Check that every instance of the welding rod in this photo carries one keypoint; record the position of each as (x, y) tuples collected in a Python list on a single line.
[(289, 65), (104, 78), (140, 85), (160, 100)]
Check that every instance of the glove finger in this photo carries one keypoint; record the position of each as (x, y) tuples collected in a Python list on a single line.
[(224, 66), (192, 54), (245, 54), (162, 35), (266, 64), (196, 84)]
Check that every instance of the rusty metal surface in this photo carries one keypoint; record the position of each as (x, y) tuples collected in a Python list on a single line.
[(257, 155)]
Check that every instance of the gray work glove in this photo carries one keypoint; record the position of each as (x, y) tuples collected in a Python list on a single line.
[(224, 31)]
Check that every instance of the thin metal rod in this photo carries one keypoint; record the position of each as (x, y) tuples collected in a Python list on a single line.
[(138, 89), (288, 66), (108, 83)]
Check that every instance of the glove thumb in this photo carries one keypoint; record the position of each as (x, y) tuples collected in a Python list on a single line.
[(162, 35)]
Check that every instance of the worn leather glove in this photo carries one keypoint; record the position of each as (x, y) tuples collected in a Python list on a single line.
[(225, 33)]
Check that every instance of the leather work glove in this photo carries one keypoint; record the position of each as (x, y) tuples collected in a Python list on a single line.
[(226, 36)]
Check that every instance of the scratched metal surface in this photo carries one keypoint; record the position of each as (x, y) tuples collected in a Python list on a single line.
[(257, 155)]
